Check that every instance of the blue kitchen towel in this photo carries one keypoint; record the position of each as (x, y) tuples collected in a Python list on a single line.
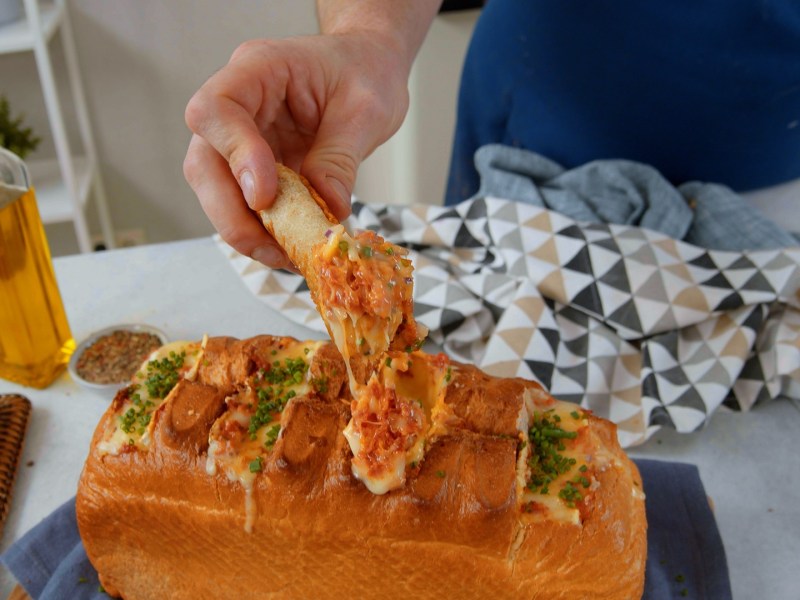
[(686, 558), (685, 554), (49, 561), (624, 192)]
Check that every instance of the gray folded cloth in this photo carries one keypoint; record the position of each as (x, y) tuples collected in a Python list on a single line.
[(629, 193)]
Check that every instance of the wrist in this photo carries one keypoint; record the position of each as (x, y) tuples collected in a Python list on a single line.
[(397, 28)]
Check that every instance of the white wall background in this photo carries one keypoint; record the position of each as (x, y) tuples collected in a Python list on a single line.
[(141, 60), (413, 165)]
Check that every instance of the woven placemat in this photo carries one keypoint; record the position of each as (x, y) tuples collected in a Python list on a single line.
[(14, 412)]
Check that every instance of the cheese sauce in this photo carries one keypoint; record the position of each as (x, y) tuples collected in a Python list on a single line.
[(391, 418), (365, 296)]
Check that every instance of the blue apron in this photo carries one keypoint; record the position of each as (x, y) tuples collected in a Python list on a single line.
[(705, 90)]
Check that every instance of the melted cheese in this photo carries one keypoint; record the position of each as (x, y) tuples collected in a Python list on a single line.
[(536, 505), (239, 450), (365, 294), (391, 418), (141, 403)]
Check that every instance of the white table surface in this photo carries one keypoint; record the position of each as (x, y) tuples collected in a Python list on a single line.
[(748, 462)]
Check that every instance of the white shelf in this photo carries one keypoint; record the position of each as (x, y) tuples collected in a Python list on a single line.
[(59, 202), (63, 185), (52, 196), (18, 36)]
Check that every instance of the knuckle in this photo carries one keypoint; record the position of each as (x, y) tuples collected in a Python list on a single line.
[(229, 235), (247, 48), (196, 111), (192, 167)]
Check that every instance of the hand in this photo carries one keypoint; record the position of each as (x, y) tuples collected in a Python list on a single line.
[(318, 104)]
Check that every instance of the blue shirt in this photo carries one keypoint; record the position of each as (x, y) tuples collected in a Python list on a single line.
[(705, 90)]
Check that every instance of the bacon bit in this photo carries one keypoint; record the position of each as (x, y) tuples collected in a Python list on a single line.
[(231, 430), (388, 425), (534, 507), (377, 287), (115, 357)]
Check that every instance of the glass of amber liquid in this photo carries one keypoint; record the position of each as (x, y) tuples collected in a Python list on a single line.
[(35, 339)]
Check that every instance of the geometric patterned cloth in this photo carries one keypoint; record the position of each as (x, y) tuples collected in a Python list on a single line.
[(642, 329)]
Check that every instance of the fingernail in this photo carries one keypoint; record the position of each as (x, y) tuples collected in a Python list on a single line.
[(272, 257), (343, 196), (248, 185)]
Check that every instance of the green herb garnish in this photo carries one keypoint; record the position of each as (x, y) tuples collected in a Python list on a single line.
[(547, 463), (137, 417), (274, 390), (272, 436), (163, 375)]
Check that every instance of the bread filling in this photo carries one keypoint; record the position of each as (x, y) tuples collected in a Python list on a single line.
[(558, 464), (395, 416), (149, 388), (242, 437), (391, 418), (365, 294)]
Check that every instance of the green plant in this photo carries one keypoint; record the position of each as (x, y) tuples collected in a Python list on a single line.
[(13, 135)]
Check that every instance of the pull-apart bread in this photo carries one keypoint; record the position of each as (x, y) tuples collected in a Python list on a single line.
[(365, 468)]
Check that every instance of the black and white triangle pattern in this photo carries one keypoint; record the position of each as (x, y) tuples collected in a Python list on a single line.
[(645, 330)]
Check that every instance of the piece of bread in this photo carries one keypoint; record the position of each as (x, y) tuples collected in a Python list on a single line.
[(181, 498), (298, 219), (361, 285)]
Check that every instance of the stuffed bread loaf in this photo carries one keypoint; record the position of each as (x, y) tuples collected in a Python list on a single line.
[(222, 472)]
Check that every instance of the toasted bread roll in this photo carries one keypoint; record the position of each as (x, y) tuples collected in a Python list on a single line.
[(234, 480)]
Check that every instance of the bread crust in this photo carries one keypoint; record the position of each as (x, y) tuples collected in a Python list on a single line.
[(156, 524)]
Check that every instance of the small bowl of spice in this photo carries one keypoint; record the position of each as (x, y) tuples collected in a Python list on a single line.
[(107, 360)]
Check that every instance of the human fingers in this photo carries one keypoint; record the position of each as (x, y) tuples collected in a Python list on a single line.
[(221, 198), (346, 137), (367, 108), (222, 112)]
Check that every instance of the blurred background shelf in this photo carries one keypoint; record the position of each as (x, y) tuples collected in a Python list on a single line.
[(18, 36), (52, 195), (64, 185)]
